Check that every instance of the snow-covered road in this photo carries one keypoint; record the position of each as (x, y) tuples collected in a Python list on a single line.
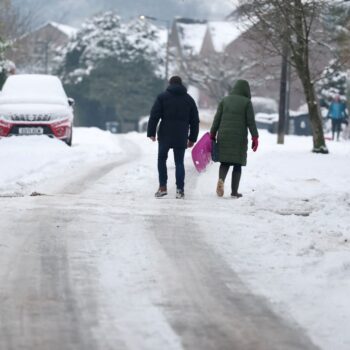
[(98, 263)]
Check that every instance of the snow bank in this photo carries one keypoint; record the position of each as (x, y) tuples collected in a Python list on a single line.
[(266, 118), (30, 160), (289, 237), (264, 105)]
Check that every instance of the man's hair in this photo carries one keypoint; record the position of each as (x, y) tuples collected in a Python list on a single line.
[(175, 80)]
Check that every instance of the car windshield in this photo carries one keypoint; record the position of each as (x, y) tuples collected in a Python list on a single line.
[(43, 89)]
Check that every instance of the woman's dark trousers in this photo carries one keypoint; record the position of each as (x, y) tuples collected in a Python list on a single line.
[(179, 155), (236, 175), (336, 128)]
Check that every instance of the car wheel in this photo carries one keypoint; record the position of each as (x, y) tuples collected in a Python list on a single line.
[(69, 140)]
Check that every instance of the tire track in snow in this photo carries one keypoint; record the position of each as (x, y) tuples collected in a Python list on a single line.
[(87, 180), (209, 306), (40, 307)]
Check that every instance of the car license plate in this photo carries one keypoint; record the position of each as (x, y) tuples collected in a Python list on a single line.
[(31, 131)]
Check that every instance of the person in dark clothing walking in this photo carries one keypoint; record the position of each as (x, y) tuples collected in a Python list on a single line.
[(235, 115), (178, 129)]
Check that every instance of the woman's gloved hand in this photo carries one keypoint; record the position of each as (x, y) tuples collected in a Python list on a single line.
[(213, 137), (255, 143)]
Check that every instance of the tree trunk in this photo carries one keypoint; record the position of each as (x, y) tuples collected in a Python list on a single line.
[(314, 115), (303, 70), (2, 77), (346, 133), (301, 59), (283, 108)]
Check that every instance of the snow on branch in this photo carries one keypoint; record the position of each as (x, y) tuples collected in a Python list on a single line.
[(106, 36)]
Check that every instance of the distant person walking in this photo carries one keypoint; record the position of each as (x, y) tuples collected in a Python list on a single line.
[(338, 115), (179, 127), (235, 115)]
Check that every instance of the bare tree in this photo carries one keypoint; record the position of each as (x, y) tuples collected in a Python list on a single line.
[(340, 14), (14, 22), (288, 26), (4, 5), (215, 73), (338, 24)]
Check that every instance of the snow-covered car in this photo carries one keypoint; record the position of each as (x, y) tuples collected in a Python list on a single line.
[(33, 104)]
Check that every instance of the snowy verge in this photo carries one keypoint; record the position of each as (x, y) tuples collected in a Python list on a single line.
[(288, 238), (26, 161)]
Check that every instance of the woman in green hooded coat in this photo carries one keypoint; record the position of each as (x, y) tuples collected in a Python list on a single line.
[(233, 119)]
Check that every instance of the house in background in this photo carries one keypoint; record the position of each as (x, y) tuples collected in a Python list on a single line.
[(35, 52), (190, 39), (298, 122), (185, 41), (218, 35), (266, 72)]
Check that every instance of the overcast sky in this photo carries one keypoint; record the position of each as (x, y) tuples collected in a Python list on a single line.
[(74, 11)]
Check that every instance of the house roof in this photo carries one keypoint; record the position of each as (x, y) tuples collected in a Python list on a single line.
[(65, 29), (191, 36), (223, 33)]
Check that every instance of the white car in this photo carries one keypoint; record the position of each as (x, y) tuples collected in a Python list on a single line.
[(33, 104)]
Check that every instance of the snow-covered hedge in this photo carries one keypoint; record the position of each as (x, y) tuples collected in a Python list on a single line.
[(333, 82), (106, 36), (6, 66), (113, 69)]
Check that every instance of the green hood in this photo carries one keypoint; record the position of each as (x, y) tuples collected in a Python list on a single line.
[(241, 88)]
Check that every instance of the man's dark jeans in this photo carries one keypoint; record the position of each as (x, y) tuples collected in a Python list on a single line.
[(179, 155)]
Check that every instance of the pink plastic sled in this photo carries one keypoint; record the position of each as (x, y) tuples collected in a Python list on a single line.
[(201, 153)]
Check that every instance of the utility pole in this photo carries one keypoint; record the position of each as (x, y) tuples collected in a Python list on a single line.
[(44, 52), (167, 55), (167, 58), (284, 97)]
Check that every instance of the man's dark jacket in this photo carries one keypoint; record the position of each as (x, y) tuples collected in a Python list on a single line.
[(178, 114)]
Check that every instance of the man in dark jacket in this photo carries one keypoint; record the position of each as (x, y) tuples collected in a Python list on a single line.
[(179, 127)]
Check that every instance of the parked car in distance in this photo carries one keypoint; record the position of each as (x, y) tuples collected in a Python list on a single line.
[(33, 104)]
